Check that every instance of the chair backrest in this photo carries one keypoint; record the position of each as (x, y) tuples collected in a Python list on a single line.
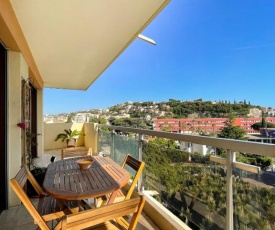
[(76, 152), (138, 167), (18, 183), (100, 215)]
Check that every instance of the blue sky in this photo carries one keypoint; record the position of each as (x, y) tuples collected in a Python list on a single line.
[(214, 50)]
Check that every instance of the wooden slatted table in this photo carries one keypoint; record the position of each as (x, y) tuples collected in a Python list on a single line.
[(65, 180)]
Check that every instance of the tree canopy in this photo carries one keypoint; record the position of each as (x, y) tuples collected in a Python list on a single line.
[(207, 108), (100, 120), (236, 132), (183, 184), (258, 125), (130, 122), (230, 131)]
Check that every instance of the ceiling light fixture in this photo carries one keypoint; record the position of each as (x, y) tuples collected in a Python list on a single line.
[(147, 39)]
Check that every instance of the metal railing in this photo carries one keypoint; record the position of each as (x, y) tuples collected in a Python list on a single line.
[(231, 146)]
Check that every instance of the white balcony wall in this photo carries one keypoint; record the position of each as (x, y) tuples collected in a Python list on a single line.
[(17, 69), (91, 136), (186, 146), (53, 129), (192, 148)]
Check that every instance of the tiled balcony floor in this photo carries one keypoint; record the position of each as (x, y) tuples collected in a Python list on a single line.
[(17, 218)]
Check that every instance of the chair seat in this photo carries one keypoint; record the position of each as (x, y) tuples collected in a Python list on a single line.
[(106, 217), (108, 225), (120, 196), (50, 208), (135, 165)]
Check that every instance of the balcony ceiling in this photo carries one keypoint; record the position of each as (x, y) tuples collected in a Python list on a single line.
[(73, 41)]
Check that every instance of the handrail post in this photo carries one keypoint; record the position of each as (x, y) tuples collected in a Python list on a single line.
[(98, 140), (140, 138), (112, 145), (229, 189)]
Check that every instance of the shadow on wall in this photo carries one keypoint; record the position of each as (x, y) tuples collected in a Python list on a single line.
[(53, 129)]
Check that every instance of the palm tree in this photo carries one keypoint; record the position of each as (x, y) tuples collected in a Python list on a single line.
[(213, 126), (183, 126), (188, 125), (193, 127), (199, 129)]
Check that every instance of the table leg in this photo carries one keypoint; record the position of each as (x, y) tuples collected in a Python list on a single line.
[(112, 197), (67, 210)]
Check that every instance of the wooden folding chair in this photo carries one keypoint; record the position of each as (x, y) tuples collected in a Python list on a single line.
[(123, 194), (75, 152), (106, 217), (48, 207)]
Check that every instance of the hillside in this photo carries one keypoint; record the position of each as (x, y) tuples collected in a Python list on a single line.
[(182, 109)]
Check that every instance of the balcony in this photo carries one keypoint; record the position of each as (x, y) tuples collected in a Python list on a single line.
[(208, 193)]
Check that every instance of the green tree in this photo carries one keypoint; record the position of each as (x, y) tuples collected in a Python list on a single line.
[(112, 120), (166, 127), (230, 131), (165, 142), (262, 124), (130, 122), (100, 120), (258, 125)]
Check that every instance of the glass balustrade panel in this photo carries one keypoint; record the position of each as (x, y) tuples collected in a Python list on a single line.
[(187, 183), (254, 199)]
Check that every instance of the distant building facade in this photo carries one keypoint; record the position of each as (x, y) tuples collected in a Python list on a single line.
[(205, 125), (269, 111), (82, 117)]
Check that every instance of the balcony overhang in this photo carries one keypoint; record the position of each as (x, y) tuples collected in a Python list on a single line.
[(69, 43)]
